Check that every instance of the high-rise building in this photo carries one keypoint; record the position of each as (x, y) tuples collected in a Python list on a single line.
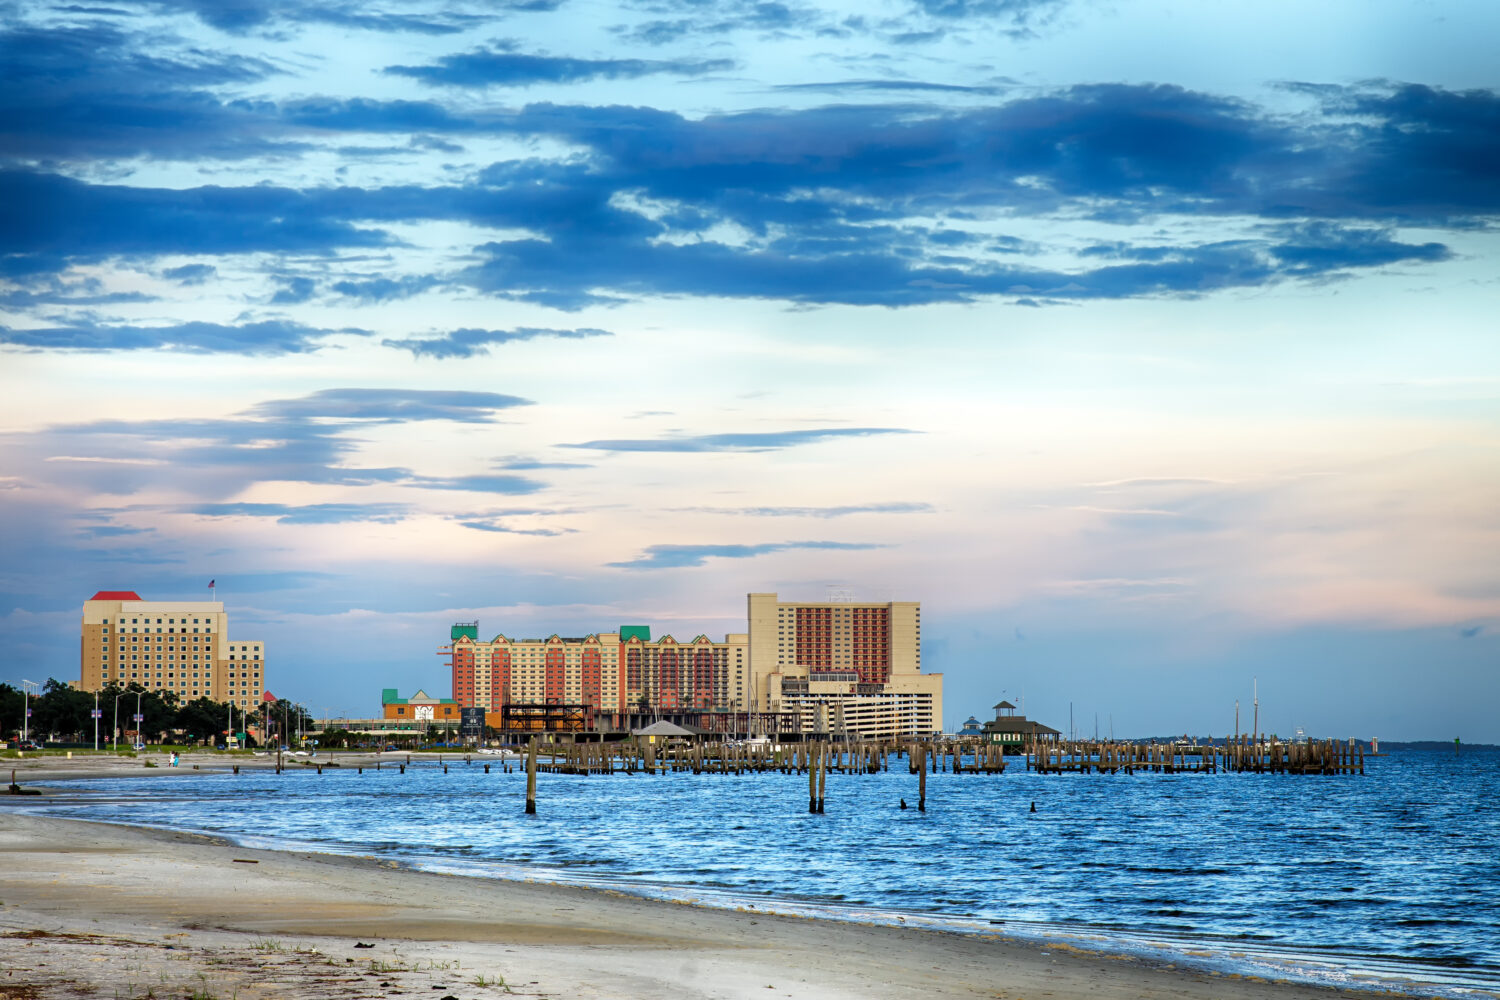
[(847, 667), (178, 646), (610, 672), (843, 668)]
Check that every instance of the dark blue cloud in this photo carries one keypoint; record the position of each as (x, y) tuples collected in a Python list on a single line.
[(57, 218), (267, 337), (245, 16), (490, 67), (753, 441), (679, 556), (824, 197), (1471, 631), (83, 92), (468, 342), (317, 513)]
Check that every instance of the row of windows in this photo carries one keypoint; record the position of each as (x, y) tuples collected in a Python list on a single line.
[(170, 621)]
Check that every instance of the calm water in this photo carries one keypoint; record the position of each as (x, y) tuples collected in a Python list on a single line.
[(1396, 873)]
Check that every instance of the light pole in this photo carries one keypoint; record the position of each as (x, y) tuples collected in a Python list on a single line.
[(114, 732), (95, 714), (28, 688), (140, 720)]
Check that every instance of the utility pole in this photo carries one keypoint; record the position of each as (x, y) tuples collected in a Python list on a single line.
[(28, 688), (95, 713)]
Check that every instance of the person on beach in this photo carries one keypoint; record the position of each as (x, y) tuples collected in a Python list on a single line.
[(174, 758)]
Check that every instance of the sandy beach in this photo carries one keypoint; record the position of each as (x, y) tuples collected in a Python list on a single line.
[(97, 910)]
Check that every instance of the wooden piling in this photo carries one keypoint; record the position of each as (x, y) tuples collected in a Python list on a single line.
[(531, 777)]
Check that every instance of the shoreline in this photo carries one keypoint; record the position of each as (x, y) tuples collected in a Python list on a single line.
[(196, 905)]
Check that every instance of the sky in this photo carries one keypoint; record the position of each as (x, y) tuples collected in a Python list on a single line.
[(1151, 346)]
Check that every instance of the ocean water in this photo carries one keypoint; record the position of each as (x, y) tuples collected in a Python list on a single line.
[(1393, 876)]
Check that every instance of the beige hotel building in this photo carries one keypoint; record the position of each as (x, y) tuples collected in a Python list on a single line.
[(178, 646)]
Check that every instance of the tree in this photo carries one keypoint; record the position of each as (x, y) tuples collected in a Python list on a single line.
[(11, 700), (288, 718), (62, 711), (203, 718)]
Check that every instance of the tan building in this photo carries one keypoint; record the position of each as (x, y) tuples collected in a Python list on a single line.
[(178, 646), (847, 667)]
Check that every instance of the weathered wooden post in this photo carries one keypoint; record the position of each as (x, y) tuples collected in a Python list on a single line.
[(812, 786), (531, 777), (922, 782), (822, 779)]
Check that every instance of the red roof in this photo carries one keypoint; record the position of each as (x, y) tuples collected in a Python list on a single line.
[(116, 595), (267, 696)]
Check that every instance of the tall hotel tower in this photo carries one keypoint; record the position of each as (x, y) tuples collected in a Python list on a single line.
[(179, 646), (847, 667)]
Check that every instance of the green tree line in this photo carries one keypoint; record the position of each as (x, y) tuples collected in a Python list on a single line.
[(61, 713)]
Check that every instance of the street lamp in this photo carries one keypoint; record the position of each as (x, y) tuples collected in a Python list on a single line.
[(114, 732), (28, 688)]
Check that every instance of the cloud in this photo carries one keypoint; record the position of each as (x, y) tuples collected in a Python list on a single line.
[(57, 218), (78, 92), (483, 483), (375, 290), (268, 337), (317, 513), (679, 556), (820, 512), (702, 18), (392, 405), (753, 441), (240, 17), (498, 528), (306, 439), (488, 67), (468, 342), (190, 274), (1471, 631), (523, 464), (838, 86), (823, 202)]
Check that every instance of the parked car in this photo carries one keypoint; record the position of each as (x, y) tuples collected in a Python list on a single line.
[(28, 745)]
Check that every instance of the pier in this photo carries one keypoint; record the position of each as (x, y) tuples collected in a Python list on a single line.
[(1243, 754)]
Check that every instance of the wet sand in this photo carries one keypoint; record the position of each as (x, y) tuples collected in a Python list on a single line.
[(98, 910)]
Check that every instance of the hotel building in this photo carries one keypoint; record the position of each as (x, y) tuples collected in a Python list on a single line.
[(847, 667), (178, 646), (843, 668), (610, 672)]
